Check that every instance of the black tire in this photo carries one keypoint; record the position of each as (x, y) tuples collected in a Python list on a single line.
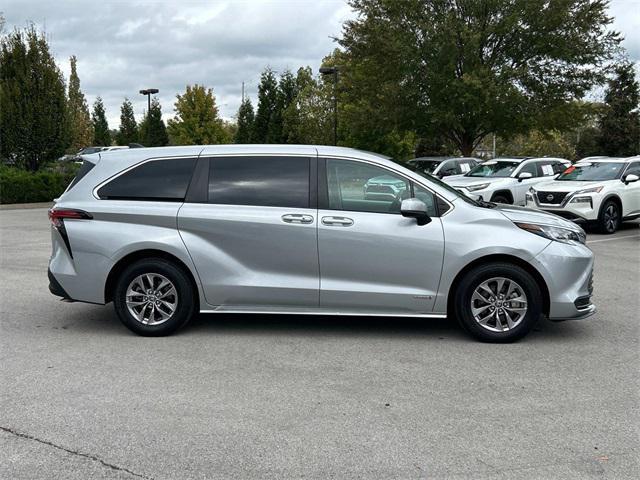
[(501, 198), (474, 278), (186, 300), (609, 217)]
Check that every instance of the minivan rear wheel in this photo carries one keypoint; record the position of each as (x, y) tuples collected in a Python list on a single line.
[(498, 302), (154, 297)]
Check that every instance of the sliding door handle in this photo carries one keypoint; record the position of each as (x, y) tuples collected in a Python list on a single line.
[(297, 218), (337, 221)]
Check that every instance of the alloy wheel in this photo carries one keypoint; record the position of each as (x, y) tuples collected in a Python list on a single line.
[(151, 299), (611, 218), (498, 304)]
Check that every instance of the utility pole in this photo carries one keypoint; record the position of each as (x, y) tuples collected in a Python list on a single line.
[(242, 92), (333, 71)]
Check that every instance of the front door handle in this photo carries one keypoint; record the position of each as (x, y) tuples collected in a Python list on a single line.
[(297, 218), (337, 221)]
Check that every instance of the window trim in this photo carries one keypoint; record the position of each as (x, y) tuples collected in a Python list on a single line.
[(94, 192), (313, 175), (323, 185)]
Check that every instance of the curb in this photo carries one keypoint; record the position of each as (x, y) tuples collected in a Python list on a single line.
[(24, 206)]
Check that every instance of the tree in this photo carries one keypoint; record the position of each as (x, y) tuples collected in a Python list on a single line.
[(101, 134), (538, 144), (263, 131), (33, 118), (128, 132), (153, 132), (465, 69), (620, 122), (196, 121), (80, 126), (245, 122)]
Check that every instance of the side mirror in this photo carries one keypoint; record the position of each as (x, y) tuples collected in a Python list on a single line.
[(630, 178), (414, 208), (524, 176)]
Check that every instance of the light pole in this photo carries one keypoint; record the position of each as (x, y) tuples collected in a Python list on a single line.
[(333, 71), (148, 92)]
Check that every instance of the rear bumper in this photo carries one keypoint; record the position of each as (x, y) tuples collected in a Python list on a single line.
[(55, 288)]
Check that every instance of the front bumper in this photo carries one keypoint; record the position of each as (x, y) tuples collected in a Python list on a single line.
[(576, 212), (568, 272)]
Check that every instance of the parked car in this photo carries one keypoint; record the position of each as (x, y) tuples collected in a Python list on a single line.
[(507, 180), (167, 232), (444, 166), (114, 147), (602, 191), (75, 157), (384, 187)]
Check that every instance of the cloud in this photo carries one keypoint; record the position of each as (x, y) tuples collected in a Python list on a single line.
[(124, 46)]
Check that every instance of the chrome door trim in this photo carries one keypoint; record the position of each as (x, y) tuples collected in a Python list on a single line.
[(349, 313), (336, 221), (297, 218)]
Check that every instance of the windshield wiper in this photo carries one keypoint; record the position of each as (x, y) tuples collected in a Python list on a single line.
[(484, 204)]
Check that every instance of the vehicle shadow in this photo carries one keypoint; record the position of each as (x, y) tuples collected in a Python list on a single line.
[(91, 319)]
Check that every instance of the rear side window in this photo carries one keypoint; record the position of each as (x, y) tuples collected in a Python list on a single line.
[(84, 169), (260, 181), (157, 180)]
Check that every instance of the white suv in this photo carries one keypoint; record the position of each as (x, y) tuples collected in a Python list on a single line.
[(507, 180), (604, 191)]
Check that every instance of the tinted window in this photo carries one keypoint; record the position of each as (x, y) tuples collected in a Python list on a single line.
[(158, 180), (559, 167), (529, 168), (450, 168), (84, 169), (547, 169), (634, 169), (263, 181)]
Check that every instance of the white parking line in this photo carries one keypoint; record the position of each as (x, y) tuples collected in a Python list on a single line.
[(611, 239)]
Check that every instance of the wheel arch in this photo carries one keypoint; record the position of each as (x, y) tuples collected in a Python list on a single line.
[(502, 258), (614, 197), (132, 257), (505, 193)]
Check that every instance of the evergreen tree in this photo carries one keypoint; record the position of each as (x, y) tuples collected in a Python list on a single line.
[(101, 134), (128, 132), (153, 132), (245, 122), (81, 128), (620, 122), (196, 121), (267, 104), (287, 92), (33, 119)]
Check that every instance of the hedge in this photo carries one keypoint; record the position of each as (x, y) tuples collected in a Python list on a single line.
[(21, 186)]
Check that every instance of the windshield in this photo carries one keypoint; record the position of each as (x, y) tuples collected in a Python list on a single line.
[(592, 171), (493, 169), (441, 184), (426, 166)]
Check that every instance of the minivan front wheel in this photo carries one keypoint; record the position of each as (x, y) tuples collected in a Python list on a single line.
[(498, 302), (154, 297)]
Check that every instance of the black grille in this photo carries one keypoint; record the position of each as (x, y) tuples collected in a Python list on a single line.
[(551, 198), (591, 283)]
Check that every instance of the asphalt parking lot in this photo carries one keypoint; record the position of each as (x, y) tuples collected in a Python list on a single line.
[(258, 397)]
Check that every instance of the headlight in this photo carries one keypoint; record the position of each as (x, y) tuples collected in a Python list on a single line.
[(582, 200), (589, 190), (559, 234), (481, 186)]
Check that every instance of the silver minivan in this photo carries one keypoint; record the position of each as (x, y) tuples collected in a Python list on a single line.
[(168, 232)]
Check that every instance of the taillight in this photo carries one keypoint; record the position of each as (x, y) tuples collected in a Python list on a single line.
[(57, 216)]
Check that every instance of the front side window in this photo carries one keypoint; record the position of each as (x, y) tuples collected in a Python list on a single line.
[(529, 168), (494, 169), (156, 180), (450, 168), (633, 169), (260, 181), (360, 187)]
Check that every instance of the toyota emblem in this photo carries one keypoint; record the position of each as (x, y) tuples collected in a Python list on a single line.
[(550, 197)]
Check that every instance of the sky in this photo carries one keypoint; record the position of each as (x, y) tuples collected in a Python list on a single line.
[(124, 46)]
